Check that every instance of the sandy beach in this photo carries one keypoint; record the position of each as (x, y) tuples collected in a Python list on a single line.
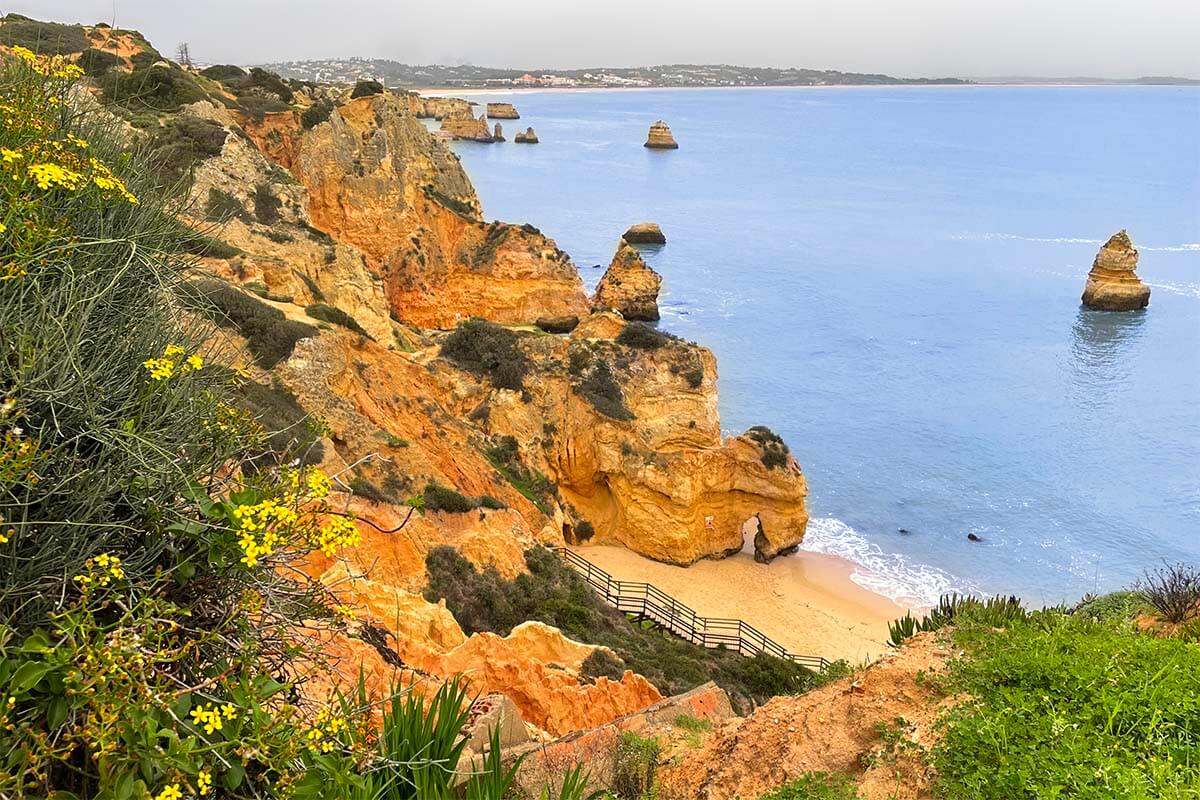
[(805, 601)]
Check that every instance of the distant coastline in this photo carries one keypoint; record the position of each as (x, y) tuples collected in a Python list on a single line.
[(465, 91)]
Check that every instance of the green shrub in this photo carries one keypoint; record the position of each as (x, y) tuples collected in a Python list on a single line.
[(185, 142), (223, 72), (459, 207), (158, 88), (816, 786), (335, 316), (97, 62), (43, 38), (602, 664), (1112, 607), (642, 337), (774, 450), (488, 350), (257, 107), (291, 431), (369, 491), (314, 115), (635, 765), (997, 611), (440, 498), (1063, 706), (266, 204), (222, 206), (584, 531), (601, 389), (553, 593), (270, 336), (366, 89), (504, 455)]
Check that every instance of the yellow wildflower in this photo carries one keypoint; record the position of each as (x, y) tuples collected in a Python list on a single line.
[(159, 368), (171, 792), (193, 363), (3, 227), (9, 156), (203, 781), (25, 54), (49, 176), (319, 484), (6, 536), (336, 533), (208, 717)]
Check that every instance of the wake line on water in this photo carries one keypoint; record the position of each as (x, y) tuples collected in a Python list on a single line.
[(1187, 247), (890, 574)]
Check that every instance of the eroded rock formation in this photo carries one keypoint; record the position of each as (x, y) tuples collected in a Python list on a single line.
[(498, 133), (629, 286), (468, 128), (379, 181), (644, 233), (437, 107), (660, 138), (632, 438), (528, 137), (1113, 284), (502, 111)]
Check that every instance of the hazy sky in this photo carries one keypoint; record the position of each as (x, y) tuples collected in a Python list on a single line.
[(1107, 38)]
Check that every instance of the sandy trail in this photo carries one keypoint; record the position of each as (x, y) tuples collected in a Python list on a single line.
[(805, 601)]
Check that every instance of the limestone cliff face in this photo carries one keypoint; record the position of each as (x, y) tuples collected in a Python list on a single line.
[(629, 286), (535, 666), (437, 107), (660, 138), (1113, 284), (264, 212), (632, 438), (379, 181), (468, 128), (502, 111)]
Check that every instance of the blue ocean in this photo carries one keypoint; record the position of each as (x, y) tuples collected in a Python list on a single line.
[(890, 278)]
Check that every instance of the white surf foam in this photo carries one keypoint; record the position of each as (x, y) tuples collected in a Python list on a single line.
[(1186, 247), (890, 574)]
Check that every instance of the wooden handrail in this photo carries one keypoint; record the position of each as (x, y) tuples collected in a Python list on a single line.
[(650, 602)]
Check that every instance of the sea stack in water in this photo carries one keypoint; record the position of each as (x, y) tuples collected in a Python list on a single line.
[(498, 133), (629, 286), (502, 111), (660, 137), (528, 137), (644, 233), (1113, 284)]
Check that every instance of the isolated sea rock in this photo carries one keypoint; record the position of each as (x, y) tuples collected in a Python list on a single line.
[(502, 111), (644, 233), (498, 133), (1113, 284), (468, 128), (528, 137), (629, 286), (660, 137)]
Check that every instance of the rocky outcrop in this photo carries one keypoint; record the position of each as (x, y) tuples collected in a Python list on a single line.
[(437, 107), (632, 438), (629, 286), (644, 233), (528, 137), (498, 133), (660, 137), (1113, 284), (378, 180), (535, 666), (502, 111), (468, 128), (833, 729)]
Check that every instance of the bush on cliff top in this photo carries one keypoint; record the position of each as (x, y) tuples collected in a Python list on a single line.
[(554, 594), (270, 336), (774, 450), (366, 89), (488, 350)]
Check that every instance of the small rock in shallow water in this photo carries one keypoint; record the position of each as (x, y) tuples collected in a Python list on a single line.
[(904, 531), (974, 537)]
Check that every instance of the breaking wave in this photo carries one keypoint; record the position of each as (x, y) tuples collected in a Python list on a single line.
[(889, 574)]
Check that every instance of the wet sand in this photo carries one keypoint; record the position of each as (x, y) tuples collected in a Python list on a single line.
[(805, 601)]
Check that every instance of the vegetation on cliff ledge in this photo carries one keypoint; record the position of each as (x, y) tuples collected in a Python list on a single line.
[(554, 594)]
